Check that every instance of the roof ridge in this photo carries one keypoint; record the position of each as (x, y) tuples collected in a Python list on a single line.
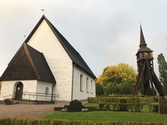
[(71, 51), (31, 60), (63, 42), (11, 62), (22, 47)]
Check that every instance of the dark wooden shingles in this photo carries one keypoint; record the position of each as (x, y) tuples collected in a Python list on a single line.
[(28, 64)]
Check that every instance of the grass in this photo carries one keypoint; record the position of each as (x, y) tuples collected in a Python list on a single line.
[(108, 116), (91, 104), (143, 116)]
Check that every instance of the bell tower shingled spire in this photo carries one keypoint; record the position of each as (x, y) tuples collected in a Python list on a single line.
[(142, 40)]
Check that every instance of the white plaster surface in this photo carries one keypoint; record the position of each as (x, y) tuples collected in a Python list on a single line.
[(59, 61), (67, 84), (82, 95), (9, 87), (41, 87)]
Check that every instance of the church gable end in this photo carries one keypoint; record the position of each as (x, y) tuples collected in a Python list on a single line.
[(72, 53)]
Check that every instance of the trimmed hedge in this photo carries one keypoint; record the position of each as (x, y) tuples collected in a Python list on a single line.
[(116, 99), (132, 103), (19, 121), (121, 107)]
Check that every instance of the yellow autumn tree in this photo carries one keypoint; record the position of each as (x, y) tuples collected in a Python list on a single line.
[(127, 73), (111, 75), (99, 79), (128, 78), (118, 79)]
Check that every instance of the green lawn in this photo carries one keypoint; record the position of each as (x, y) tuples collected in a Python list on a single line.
[(143, 116), (108, 116)]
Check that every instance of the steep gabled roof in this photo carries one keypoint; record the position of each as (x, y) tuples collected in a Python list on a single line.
[(28, 64), (143, 45), (73, 54), (142, 39)]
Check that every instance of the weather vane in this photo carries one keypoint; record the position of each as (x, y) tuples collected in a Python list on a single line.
[(43, 11)]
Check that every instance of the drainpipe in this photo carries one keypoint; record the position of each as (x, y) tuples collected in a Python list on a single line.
[(52, 91)]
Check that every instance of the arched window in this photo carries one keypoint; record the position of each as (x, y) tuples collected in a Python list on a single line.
[(92, 87), (46, 90), (81, 83), (87, 84)]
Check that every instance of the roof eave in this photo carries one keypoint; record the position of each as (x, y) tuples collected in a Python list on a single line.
[(91, 74)]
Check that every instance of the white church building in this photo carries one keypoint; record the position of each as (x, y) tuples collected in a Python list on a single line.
[(47, 68)]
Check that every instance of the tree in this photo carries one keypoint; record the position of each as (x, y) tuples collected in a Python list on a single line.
[(126, 88), (111, 75), (118, 79), (111, 88), (99, 80), (162, 66), (99, 89), (128, 74)]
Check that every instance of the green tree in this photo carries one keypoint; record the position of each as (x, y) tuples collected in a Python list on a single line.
[(162, 66), (111, 88), (99, 89), (125, 88)]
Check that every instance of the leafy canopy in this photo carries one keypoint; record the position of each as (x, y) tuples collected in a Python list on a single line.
[(162, 66), (118, 79)]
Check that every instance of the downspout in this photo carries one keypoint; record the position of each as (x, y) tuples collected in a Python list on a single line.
[(72, 82), (52, 91)]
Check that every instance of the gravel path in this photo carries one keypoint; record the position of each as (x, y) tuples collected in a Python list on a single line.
[(28, 110)]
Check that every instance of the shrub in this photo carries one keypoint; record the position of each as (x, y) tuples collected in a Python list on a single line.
[(153, 107), (19, 121), (8, 101)]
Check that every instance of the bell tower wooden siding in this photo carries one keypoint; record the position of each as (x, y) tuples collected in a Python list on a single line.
[(146, 75)]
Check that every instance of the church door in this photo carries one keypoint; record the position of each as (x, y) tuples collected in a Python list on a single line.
[(19, 91)]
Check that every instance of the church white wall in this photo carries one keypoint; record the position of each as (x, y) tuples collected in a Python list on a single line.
[(86, 92), (9, 87), (58, 60), (41, 88)]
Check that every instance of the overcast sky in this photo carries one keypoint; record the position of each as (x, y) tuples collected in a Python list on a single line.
[(104, 32)]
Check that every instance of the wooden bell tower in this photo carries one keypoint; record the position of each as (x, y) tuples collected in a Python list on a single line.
[(146, 75)]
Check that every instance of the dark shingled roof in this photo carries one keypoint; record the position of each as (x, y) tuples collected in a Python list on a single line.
[(28, 64), (74, 55)]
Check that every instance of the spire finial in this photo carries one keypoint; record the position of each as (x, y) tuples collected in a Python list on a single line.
[(43, 11)]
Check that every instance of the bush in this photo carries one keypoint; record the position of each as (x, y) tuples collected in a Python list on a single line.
[(19, 121), (153, 107), (8, 101)]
